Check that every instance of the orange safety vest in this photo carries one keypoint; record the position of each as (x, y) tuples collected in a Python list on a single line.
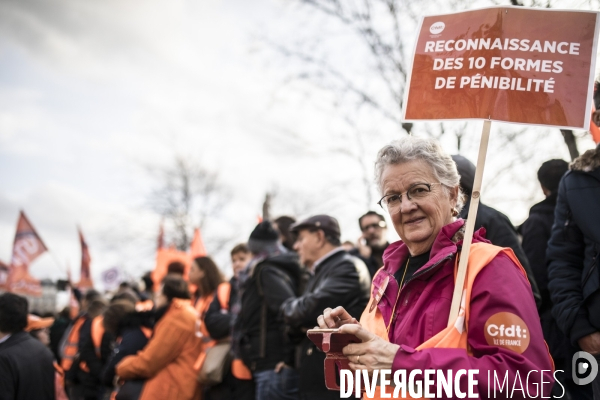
[(97, 332), (238, 368), (455, 335), (223, 291), (71, 346)]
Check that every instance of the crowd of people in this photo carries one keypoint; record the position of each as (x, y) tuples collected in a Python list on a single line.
[(202, 337)]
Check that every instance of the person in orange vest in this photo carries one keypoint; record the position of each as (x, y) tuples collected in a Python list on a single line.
[(93, 352), (405, 325), (69, 344), (219, 319), (167, 362), (209, 281), (132, 330)]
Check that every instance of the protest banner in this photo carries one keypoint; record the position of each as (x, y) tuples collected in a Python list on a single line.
[(27, 247), (509, 64)]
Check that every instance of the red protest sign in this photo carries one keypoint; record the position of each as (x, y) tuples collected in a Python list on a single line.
[(511, 64)]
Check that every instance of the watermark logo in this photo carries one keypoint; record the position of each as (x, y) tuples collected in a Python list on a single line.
[(437, 28), (585, 368)]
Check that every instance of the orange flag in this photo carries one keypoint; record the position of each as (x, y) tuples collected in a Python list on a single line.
[(85, 279), (164, 257), (197, 248), (27, 247)]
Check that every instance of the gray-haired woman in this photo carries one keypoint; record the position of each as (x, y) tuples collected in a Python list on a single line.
[(404, 327)]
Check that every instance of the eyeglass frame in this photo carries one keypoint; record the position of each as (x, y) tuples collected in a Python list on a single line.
[(429, 185)]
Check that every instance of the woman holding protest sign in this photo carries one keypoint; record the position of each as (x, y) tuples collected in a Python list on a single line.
[(405, 325)]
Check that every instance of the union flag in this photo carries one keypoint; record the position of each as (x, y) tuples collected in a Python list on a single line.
[(26, 248)]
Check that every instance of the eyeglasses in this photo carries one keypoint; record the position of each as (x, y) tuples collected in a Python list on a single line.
[(377, 225), (391, 202)]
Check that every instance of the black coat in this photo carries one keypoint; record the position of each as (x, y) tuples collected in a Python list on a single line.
[(26, 369), (536, 231), (573, 251), (339, 280), (501, 232), (270, 282)]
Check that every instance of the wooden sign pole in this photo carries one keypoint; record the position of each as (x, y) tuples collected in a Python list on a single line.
[(462, 266)]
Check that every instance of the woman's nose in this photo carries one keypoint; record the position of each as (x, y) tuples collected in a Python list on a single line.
[(406, 205)]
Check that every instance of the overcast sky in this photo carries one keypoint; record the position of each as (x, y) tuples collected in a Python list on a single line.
[(92, 94)]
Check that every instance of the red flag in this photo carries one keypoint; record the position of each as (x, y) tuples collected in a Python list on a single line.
[(4, 269), (27, 247), (85, 279), (161, 236), (197, 248)]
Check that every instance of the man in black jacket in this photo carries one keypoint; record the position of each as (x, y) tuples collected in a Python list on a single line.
[(536, 231), (337, 279), (498, 228), (270, 278), (26, 365), (573, 251)]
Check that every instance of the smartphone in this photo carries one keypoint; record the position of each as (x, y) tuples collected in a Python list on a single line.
[(331, 340)]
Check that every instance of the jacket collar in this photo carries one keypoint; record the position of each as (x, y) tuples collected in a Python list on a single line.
[(447, 242), (14, 339), (326, 257)]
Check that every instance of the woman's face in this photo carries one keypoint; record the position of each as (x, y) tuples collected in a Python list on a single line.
[(196, 274), (418, 222)]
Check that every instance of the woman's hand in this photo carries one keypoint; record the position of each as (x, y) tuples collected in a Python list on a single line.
[(373, 353), (335, 318)]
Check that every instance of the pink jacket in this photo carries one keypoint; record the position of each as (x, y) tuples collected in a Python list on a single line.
[(424, 305)]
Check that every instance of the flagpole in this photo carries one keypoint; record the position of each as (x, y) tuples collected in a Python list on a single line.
[(462, 266), (55, 258)]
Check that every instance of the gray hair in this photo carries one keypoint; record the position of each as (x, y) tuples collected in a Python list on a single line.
[(428, 150)]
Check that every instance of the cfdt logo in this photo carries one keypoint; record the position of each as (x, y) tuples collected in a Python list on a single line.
[(437, 28), (585, 368)]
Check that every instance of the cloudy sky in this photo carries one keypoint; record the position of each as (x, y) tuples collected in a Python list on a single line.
[(96, 96)]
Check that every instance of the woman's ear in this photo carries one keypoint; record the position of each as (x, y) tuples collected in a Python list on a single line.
[(454, 196)]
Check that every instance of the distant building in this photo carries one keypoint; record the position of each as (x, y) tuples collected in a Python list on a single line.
[(46, 303)]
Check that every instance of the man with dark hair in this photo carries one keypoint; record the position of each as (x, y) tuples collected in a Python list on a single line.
[(282, 225), (373, 241), (337, 279), (271, 277), (498, 228), (176, 268), (26, 365), (536, 231)]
